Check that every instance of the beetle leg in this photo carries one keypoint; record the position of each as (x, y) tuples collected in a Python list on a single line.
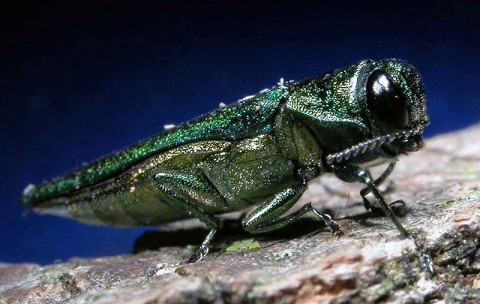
[(203, 249), (352, 173), (377, 182), (265, 218), (181, 191)]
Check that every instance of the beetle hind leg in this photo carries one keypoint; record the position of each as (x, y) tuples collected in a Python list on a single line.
[(191, 193), (203, 249)]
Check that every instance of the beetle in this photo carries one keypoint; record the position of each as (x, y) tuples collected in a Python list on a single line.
[(261, 150)]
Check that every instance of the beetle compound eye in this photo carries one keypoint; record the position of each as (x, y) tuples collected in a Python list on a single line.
[(386, 102)]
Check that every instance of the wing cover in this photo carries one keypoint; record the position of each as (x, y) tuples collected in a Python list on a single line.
[(245, 118)]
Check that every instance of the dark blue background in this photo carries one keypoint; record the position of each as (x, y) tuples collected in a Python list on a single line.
[(79, 79)]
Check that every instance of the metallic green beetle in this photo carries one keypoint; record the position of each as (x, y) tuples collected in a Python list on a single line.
[(263, 149)]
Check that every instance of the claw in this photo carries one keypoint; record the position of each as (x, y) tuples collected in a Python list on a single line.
[(337, 232), (203, 250), (198, 255), (426, 261)]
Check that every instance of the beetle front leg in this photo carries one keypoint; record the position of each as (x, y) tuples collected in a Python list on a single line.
[(181, 191), (377, 183), (353, 173), (265, 218)]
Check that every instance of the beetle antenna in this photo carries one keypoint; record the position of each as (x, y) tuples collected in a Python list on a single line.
[(370, 145)]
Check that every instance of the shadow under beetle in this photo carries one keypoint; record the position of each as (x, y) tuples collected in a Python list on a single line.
[(263, 150)]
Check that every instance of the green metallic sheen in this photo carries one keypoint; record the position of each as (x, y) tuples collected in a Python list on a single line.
[(261, 150), (237, 121)]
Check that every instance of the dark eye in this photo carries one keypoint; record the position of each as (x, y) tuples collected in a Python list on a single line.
[(386, 102)]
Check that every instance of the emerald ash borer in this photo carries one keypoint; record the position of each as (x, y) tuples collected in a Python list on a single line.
[(261, 150)]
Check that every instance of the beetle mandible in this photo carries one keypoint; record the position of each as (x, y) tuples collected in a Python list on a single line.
[(261, 150)]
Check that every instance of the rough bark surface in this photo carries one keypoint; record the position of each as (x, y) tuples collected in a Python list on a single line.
[(370, 263)]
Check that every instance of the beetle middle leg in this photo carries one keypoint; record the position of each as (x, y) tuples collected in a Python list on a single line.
[(189, 192), (265, 218)]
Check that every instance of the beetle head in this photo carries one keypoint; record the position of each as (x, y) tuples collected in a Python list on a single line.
[(394, 104)]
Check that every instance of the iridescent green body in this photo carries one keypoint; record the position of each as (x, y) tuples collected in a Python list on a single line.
[(260, 150), (119, 190)]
